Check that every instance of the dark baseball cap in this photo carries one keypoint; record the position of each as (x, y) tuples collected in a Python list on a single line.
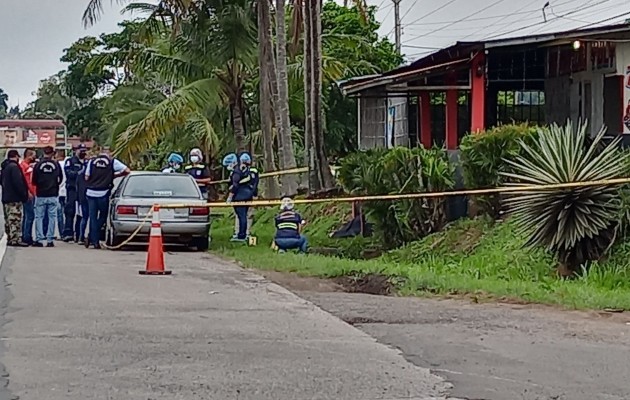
[(81, 147)]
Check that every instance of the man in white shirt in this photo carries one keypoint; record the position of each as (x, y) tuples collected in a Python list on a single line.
[(99, 177)]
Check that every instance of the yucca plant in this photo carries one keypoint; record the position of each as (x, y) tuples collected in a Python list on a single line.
[(576, 224)]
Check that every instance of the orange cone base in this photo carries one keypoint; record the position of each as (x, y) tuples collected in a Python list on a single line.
[(154, 272)]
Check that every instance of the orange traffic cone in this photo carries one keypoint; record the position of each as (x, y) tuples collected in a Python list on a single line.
[(155, 255)]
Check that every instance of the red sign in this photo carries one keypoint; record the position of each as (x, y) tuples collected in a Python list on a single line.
[(45, 137)]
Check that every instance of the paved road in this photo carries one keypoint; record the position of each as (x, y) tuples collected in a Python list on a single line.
[(495, 352), (81, 324)]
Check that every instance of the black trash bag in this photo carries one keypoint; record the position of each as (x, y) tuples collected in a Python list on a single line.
[(353, 228)]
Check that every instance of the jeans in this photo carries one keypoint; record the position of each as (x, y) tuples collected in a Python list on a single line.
[(45, 206), (28, 218), (241, 214), (292, 243), (83, 221), (98, 216)]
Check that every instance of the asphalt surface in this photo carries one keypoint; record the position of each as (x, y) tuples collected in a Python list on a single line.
[(82, 324), (497, 352)]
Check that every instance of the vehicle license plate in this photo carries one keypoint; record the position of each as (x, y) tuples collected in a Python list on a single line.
[(167, 213)]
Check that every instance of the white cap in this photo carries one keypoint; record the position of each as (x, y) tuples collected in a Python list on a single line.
[(286, 204)]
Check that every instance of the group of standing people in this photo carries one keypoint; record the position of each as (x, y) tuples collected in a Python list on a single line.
[(66, 192)]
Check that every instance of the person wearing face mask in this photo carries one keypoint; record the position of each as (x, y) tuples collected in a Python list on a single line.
[(72, 167), (241, 189), (174, 163), (198, 170)]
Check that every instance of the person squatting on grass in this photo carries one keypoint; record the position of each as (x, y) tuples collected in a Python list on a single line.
[(288, 228)]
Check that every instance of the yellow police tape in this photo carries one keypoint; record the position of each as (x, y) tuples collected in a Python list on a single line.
[(277, 173), (405, 196), (270, 174), (134, 233), (386, 197)]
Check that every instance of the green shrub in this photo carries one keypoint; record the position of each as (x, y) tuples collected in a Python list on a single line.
[(483, 158), (577, 225), (397, 171)]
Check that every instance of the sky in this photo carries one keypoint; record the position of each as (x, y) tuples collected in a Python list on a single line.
[(37, 31)]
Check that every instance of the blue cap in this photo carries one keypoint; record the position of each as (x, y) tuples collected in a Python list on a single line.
[(229, 160), (81, 146), (246, 158)]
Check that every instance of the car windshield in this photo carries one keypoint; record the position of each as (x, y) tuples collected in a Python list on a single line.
[(161, 186)]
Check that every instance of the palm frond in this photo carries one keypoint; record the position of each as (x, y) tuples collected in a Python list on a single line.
[(171, 113)]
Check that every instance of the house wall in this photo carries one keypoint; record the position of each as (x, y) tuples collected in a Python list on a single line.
[(377, 117), (581, 96), (623, 69), (372, 118), (557, 103)]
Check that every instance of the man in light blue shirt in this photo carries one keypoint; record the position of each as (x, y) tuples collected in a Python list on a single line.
[(100, 173)]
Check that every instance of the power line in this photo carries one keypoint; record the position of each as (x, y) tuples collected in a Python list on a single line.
[(486, 18), (460, 20), (544, 22), (409, 9), (433, 12), (583, 8), (502, 19)]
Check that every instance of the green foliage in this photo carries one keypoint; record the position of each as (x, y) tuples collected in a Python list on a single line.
[(474, 258), (397, 171), (4, 104), (578, 224), (483, 158)]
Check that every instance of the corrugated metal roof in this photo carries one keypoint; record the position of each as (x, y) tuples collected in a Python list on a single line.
[(32, 123)]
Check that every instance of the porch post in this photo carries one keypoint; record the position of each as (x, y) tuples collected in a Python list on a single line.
[(478, 93), (424, 119), (451, 113)]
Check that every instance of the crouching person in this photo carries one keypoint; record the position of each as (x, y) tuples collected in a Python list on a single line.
[(288, 228)]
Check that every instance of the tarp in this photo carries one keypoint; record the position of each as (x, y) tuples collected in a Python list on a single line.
[(353, 228)]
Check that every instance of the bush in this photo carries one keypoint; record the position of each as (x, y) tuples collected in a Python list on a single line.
[(397, 171), (577, 225), (483, 158)]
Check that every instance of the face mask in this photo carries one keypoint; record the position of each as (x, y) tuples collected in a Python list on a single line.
[(82, 156), (194, 159), (230, 167), (175, 166)]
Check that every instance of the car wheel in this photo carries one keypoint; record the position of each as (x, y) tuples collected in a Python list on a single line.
[(201, 243), (111, 239)]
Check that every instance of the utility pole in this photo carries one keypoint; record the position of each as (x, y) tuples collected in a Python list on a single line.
[(397, 27)]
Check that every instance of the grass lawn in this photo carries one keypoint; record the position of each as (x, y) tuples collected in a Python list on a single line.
[(475, 258)]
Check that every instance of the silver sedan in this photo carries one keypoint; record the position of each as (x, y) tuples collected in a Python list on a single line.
[(134, 195)]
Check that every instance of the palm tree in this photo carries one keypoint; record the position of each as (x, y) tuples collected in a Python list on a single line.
[(285, 147), (4, 103), (267, 73), (207, 61)]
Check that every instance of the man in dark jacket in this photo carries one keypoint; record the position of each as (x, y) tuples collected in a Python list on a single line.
[(14, 195), (47, 177), (72, 168)]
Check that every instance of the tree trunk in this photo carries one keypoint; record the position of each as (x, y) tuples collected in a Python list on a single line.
[(325, 179), (265, 62), (308, 85), (289, 182), (237, 122)]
